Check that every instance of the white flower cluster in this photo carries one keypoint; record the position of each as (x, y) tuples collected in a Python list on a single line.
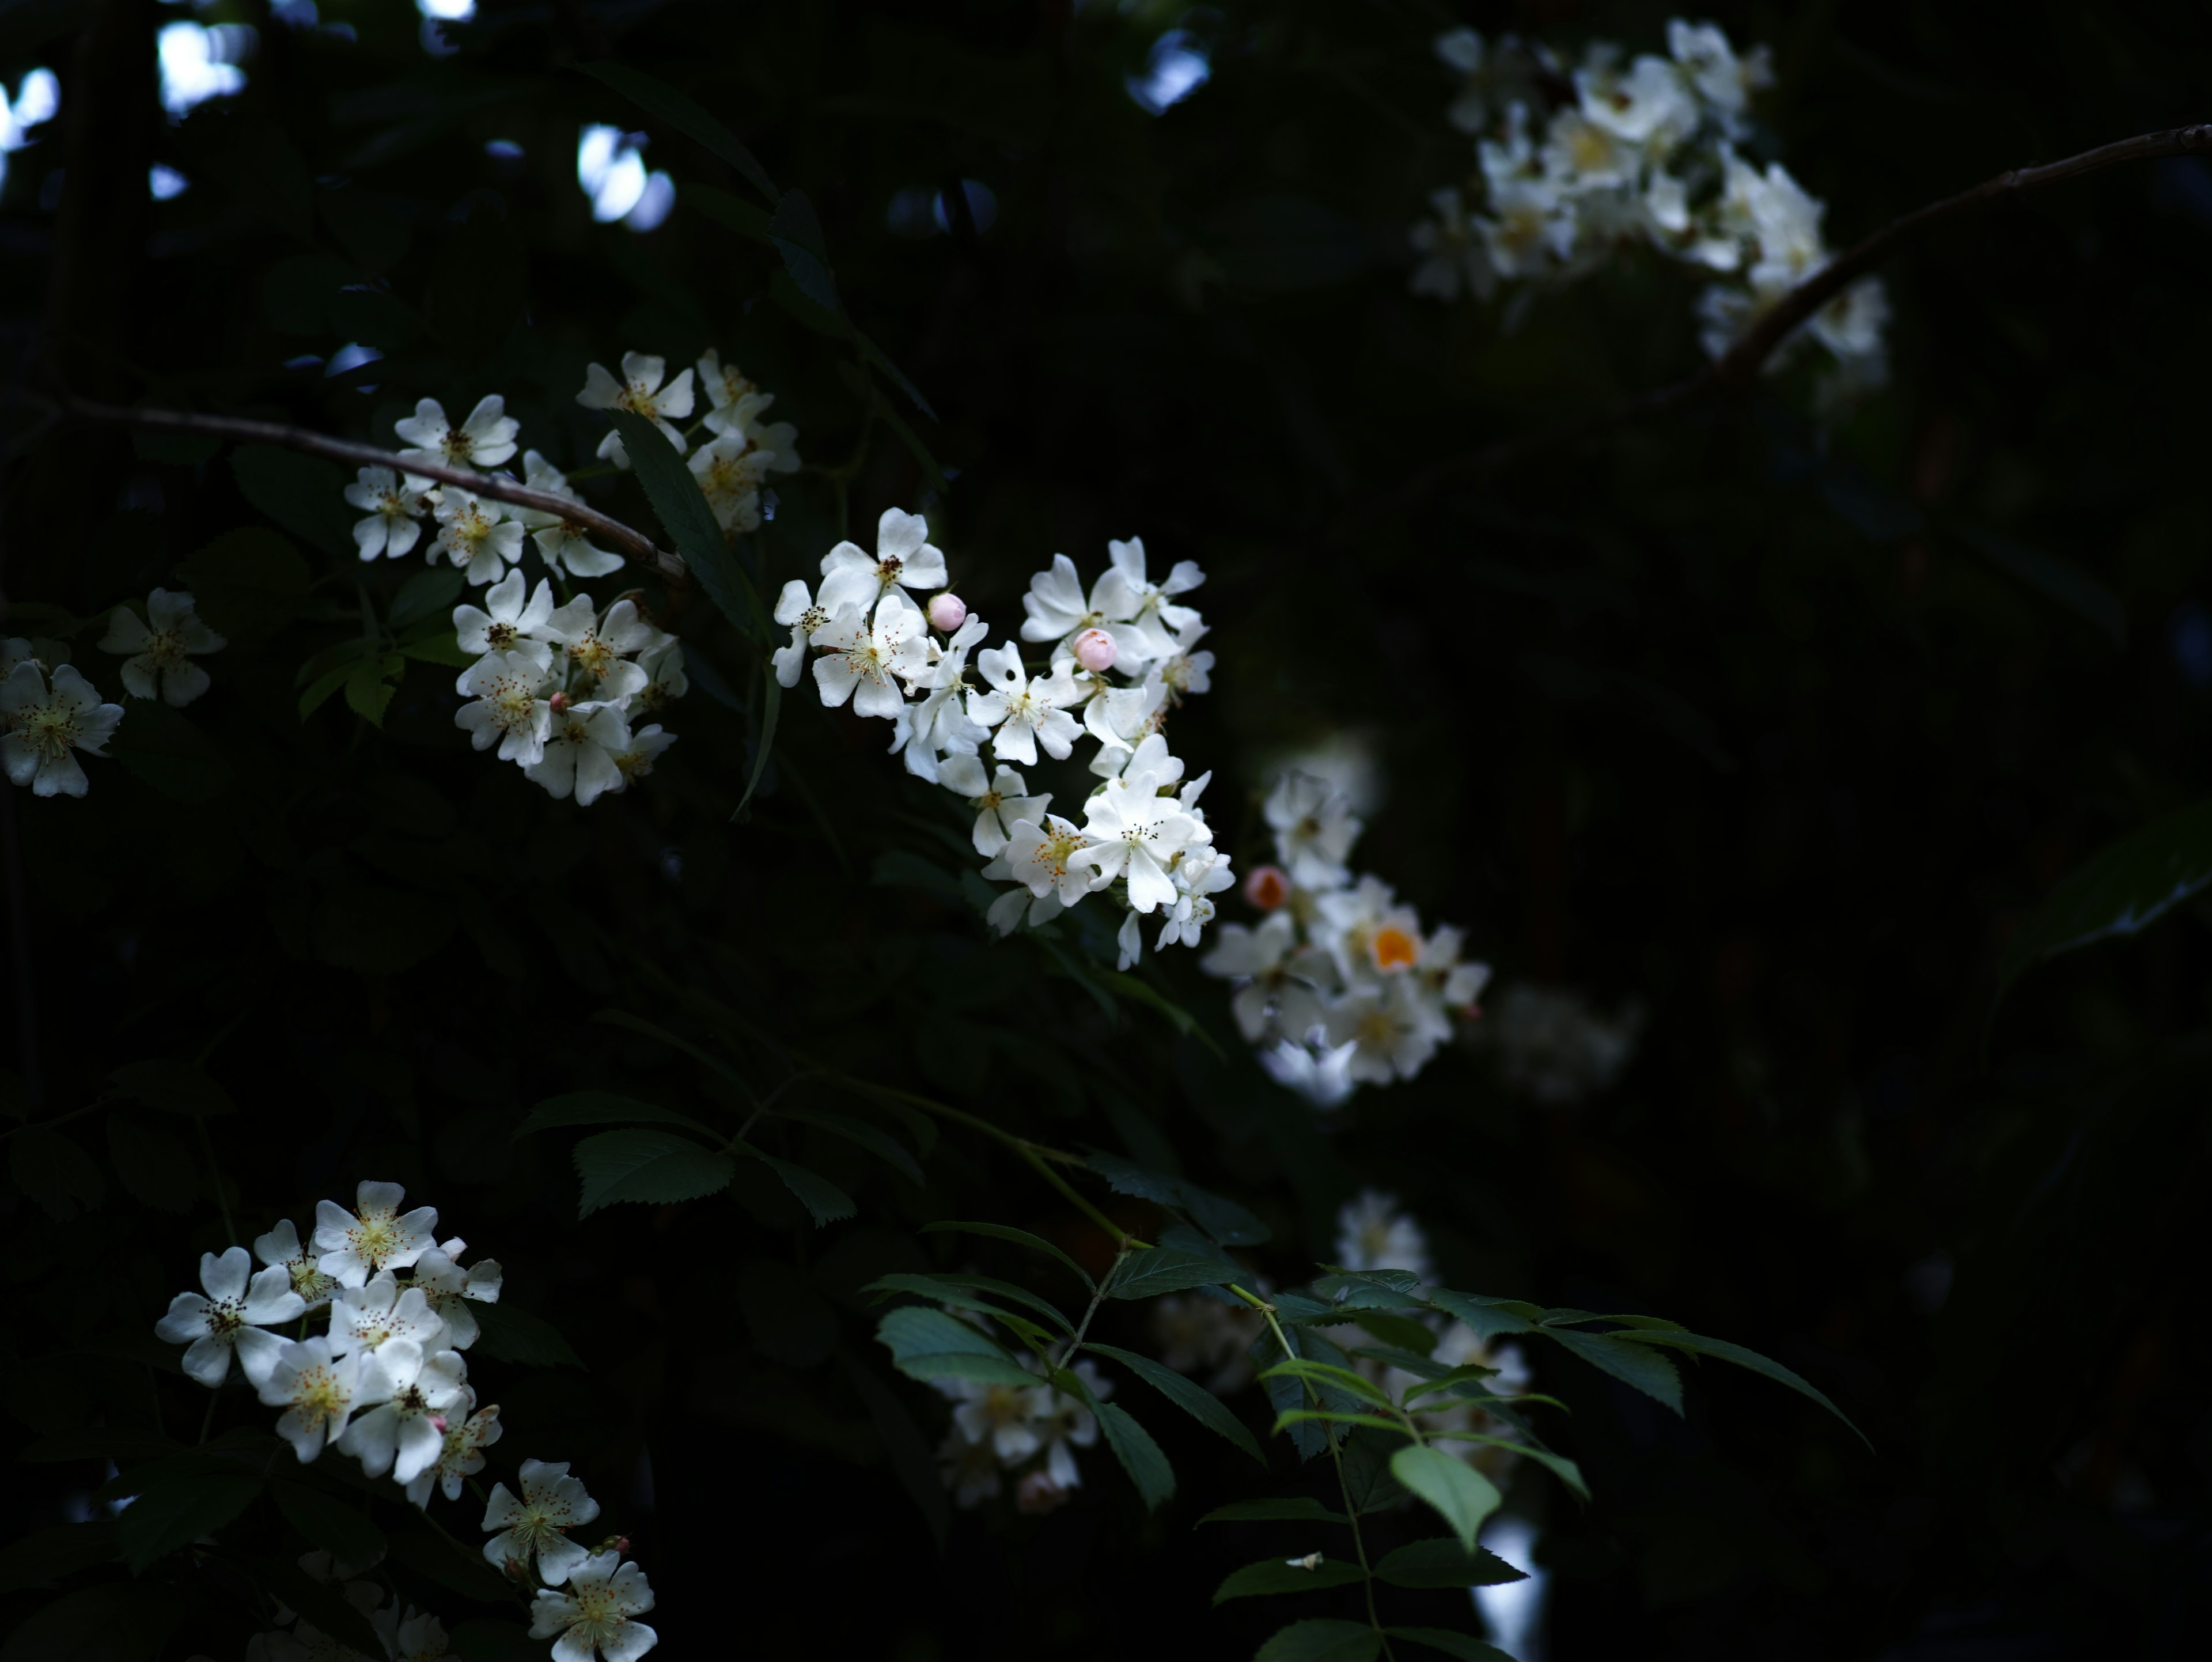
[(1575, 164), (1372, 1232), (484, 537), (1554, 1045), (558, 688), (1119, 658), (1341, 983), (47, 715), (385, 1382), (1033, 1431)]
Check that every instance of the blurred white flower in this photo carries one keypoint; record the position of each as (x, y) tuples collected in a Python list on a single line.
[(42, 727), (159, 664)]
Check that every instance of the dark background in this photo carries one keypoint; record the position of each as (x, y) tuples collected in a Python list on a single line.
[(1779, 730)]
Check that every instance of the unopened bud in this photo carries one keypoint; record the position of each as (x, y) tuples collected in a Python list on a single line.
[(1268, 887), (438, 1423), (559, 701), (517, 1570), (947, 611), (1096, 651)]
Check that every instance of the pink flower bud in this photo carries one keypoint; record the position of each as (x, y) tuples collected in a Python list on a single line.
[(559, 701), (438, 1423), (1268, 887), (947, 611), (1096, 651)]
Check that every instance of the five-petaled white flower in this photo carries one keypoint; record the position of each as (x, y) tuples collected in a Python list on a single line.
[(581, 744), (1147, 609), (1025, 712), (1278, 976), (40, 728), (797, 610), (281, 1245), (552, 1504), (239, 1304), (512, 618), (476, 535), (451, 1289), (394, 506), (412, 1391), (1000, 801), (639, 391), (469, 1431), (510, 707), (380, 1311), (599, 649), (599, 1612), (158, 665), (318, 1389), (485, 440), (863, 659), (1136, 836), (561, 542), (635, 760), (375, 1236), (904, 559), (730, 471)]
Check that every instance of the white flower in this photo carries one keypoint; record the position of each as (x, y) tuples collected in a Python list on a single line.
[(281, 1245), (939, 722), (1136, 836), (160, 663), (796, 610), (395, 508), (1149, 609), (39, 729), (1200, 1335), (474, 534), (1199, 873), (970, 1469), (724, 384), (666, 681), (231, 1318), (863, 660), (510, 707), (904, 559), (1000, 803), (1313, 830), (1044, 855), (599, 649), (405, 1430), (581, 744), (1129, 941), (552, 1504), (1278, 976), (1850, 325), (485, 440), (1068, 1424), (512, 619), (599, 1611), (1025, 712), (452, 1289), (1649, 105), (1057, 607), (376, 1236), (1720, 78), (729, 471), (420, 1638), (1460, 49), (316, 1388), (380, 1311), (1452, 255), (561, 542), (1373, 1233), (1392, 1028), (1453, 982), (640, 393), (635, 760), (1316, 1074), (468, 1432)]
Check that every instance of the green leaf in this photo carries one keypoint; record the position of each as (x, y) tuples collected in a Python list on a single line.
[(1271, 1576), (928, 1344), (1295, 1416), (1222, 1218), (911, 1456), (1462, 1496), (655, 1167), (771, 709), (304, 494), (658, 97), (248, 582), (1401, 1335), (110, 1622), (426, 594), (602, 1108), (176, 1502), (1626, 1360), (1321, 1640), (507, 1333), (1019, 1237), (2121, 890), (673, 490), (1343, 1380), (873, 1138), (796, 231), (1489, 1317), (1295, 1509), (1139, 1455), (961, 1290), (1187, 1395), (1722, 1349), (46, 1556), (342, 1530), (369, 688), (437, 645), (1442, 1562), (1157, 1269), (823, 1200), (1467, 1648), (319, 691)]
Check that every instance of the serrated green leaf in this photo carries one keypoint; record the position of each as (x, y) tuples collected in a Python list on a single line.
[(1272, 1576), (1294, 1509), (437, 645), (963, 1290), (657, 98), (1462, 1496), (602, 1108), (1321, 1640), (1139, 1455), (329, 1523), (1463, 1646), (1218, 1216), (1018, 1237), (319, 690), (427, 595), (508, 1334), (1631, 1363), (369, 688), (825, 1202), (873, 1138), (1155, 1270), (655, 1168), (1488, 1317), (1188, 1395), (1442, 1562), (928, 1344), (1327, 1373)]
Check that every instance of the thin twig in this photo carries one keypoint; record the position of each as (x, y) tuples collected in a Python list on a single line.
[(1738, 369), (633, 544)]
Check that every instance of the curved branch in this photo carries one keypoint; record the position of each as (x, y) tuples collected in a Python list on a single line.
[(634, 545)]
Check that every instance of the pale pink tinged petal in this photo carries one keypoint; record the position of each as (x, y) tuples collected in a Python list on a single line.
[(125, 632)]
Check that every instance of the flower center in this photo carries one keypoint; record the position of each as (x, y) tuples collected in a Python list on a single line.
[(378, 1237), (501, 636), (594, 656), (316, 1396), (224, 1317), (51, 729), (1394, 949)]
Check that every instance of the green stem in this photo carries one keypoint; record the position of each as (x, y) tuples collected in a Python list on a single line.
[(1098, 1298)]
